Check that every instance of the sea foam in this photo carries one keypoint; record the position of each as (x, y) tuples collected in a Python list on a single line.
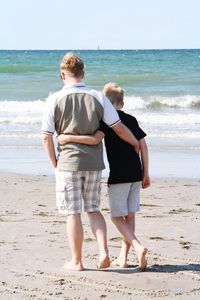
[(149, 110), (186, 101), (21, 112)]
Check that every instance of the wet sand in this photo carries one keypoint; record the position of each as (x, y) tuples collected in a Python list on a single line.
[(34, 247)]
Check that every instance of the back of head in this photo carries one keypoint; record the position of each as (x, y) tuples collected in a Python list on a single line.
[(72, 65), (114, 93)]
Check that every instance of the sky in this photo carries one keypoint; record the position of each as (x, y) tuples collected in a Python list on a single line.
[(111, 24)]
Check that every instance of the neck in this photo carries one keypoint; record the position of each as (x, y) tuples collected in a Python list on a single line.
[(117, 107), (71, 80)]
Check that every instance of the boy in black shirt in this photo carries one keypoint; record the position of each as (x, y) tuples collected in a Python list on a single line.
[(127, 174)]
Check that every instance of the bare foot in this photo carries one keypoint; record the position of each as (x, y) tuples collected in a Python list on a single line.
[(141, 254), (70, 265), (120, 263), (104, 263)]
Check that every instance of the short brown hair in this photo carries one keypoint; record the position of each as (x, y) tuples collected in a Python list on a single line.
[(114, 92), (72, 64)]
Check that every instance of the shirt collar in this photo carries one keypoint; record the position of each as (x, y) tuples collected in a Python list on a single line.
[(70, 85)]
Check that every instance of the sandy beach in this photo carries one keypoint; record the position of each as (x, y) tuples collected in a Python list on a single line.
[(33, 245)]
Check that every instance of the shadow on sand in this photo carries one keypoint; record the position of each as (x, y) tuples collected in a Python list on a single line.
[(152, 268), (174, 268)]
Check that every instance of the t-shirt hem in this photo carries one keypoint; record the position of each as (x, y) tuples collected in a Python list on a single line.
[(123, 181), (79, 169)]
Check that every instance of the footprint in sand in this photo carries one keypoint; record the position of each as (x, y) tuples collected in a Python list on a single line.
[(156, 238), (185, 245), (115, 239), (179, 210)]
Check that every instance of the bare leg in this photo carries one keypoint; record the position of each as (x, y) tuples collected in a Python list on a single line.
[(128, 234), (75, 237), (98, 227), (122, 258), (121, 261)]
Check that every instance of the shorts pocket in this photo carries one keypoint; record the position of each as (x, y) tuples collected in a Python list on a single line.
[(61, 196)]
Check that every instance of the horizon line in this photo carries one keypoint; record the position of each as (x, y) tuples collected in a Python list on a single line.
[(106, 49)]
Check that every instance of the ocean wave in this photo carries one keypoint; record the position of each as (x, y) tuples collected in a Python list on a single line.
[(21, 120), (30, 112), (155, 102), (130, 102), (175, 135), (21, 112), (22, 135), (35, 106), (168, 119)]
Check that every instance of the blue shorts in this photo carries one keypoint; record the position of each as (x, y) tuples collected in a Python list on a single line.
[(124, 198)]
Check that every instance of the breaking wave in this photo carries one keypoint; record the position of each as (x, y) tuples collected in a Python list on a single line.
[(155, 102)]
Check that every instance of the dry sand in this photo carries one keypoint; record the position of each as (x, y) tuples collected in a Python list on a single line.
[(33, 245)]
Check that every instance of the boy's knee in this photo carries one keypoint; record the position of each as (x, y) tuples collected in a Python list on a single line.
[(130, 215), (115, 219)]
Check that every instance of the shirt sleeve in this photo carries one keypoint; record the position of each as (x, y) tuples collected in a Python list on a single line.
[(48, 125), (139, 133), (110, 116), (132, 123)]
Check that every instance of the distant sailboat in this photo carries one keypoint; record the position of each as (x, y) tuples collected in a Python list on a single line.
[(98, 48)]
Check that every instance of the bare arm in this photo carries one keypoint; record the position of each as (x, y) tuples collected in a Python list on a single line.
[(145, 163), (81, 139), (125, 134), (48, 144)]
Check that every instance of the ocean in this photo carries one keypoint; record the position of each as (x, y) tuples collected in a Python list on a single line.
[(162, 90)]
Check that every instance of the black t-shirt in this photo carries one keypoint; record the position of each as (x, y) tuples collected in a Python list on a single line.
[(124, 162)]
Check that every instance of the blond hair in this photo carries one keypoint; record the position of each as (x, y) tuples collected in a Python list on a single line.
[(114, 93), (72, 64)]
